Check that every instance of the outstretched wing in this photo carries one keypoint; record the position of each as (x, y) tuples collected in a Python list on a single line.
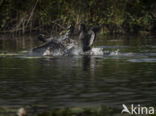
[(52, 44), (68, 34), (92, 37)]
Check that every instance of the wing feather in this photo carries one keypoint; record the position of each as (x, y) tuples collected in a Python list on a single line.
[(92, 37)]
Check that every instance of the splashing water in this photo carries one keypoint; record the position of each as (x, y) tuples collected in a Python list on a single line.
[(94, 51), (57, 52), (115, 53), (97, 51), (75, 50)]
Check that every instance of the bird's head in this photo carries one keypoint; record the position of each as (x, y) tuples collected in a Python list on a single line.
[(71, 28), (41, 36), (82, 27)]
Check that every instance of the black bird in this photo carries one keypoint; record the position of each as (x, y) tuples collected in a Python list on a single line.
[(52, 44), (49, 48), (66, 38), (87, 37)]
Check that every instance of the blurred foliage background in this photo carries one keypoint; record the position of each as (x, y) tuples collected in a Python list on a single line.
[(114, 16)]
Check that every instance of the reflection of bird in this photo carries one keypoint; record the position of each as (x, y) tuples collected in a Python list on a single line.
[(87, 37)]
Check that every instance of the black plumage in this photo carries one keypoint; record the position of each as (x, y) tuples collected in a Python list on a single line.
[(86, 37)]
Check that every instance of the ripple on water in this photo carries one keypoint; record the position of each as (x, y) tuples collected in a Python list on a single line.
[(143, 60)]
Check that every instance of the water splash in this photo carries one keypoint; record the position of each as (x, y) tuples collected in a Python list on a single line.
[(97, 51), (115, 53), (57, 52), (75, 50)]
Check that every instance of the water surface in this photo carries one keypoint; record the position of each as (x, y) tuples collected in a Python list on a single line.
[(126, 75)]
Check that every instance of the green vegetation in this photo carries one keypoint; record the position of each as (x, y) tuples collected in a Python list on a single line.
[(115, 16)]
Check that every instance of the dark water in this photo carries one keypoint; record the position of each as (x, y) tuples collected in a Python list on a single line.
[(127, 77)]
